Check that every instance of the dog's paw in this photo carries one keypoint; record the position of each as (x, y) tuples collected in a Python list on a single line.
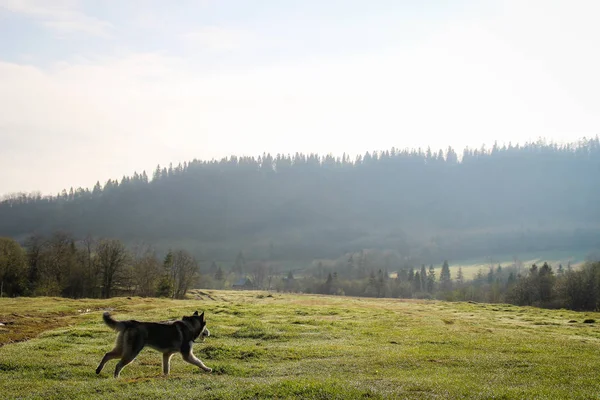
[(208, 370)]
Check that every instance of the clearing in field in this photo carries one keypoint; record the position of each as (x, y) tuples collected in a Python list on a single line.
[(305, 346), (471, 267)]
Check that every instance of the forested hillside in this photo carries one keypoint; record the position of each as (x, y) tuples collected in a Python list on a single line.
[(424, 205)]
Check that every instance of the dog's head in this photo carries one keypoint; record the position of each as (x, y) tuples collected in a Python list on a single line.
[(199, 325)]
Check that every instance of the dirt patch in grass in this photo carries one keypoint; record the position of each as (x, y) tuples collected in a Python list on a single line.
[(21, 327)]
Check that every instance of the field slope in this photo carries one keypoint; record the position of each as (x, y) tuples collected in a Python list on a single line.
[(305, 346)]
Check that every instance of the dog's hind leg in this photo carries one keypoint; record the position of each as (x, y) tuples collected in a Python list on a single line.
[(114, 353), (191, 358), (167, 362), (132, 347), (122, 363)]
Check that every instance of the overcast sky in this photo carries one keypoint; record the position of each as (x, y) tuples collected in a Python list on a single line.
[(92, 90)]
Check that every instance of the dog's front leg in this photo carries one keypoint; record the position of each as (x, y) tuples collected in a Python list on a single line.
[(167, 362), (191, 358)]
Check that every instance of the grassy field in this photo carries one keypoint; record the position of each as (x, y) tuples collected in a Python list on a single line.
[(305, 346)]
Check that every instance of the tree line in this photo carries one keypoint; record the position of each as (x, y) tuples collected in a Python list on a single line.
[(61, 265), (424, 204), (537, 286)]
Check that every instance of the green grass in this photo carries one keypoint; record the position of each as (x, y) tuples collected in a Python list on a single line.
[(307, 346)]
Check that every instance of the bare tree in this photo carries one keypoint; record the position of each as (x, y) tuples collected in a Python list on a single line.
[(184, 270), (258, 271), (112, 258), (146, 270), (34, 246), (57, 266), (92, 268), (12, 268), (272, 272), (59, 263)]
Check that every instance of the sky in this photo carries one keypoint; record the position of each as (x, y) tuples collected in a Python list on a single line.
[(92, 90)]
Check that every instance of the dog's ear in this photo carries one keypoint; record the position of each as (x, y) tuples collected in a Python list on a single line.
[(202, 316), (196, 313)]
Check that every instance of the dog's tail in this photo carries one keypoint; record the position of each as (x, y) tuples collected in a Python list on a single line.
[(113, 323)]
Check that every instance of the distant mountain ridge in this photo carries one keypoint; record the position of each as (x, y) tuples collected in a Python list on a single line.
[(424, 205)]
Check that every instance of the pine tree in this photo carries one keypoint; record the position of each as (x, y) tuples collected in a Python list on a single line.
[(380, 284), (166, 285), (157, 174), (460, 279), (371, 289), (431, 279), (417, 282), (490, 275), (546, 283), (213, 268), (451, 156), (238, 267), (328, 285), (350, 265), (97, 189), (512, 279), (362, 265), (219, 275), (478, 277), (320, 270), (445, 278)]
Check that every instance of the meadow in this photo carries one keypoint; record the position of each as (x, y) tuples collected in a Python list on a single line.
[(272, 345)]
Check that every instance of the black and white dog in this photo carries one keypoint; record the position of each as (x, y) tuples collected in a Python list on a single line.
[(166, 337)]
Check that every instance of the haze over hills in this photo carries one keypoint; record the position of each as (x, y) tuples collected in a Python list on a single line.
[(425, 206)]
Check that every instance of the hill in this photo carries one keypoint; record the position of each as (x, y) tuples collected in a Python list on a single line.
[(307, 346), (428, 206)]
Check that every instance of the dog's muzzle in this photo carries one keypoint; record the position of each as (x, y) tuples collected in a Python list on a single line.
[(205, 333)]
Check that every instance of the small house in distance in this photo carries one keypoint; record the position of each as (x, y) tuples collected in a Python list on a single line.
[(243, 284)]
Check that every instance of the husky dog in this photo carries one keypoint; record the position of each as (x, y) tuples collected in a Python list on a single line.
[(167, 337)]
